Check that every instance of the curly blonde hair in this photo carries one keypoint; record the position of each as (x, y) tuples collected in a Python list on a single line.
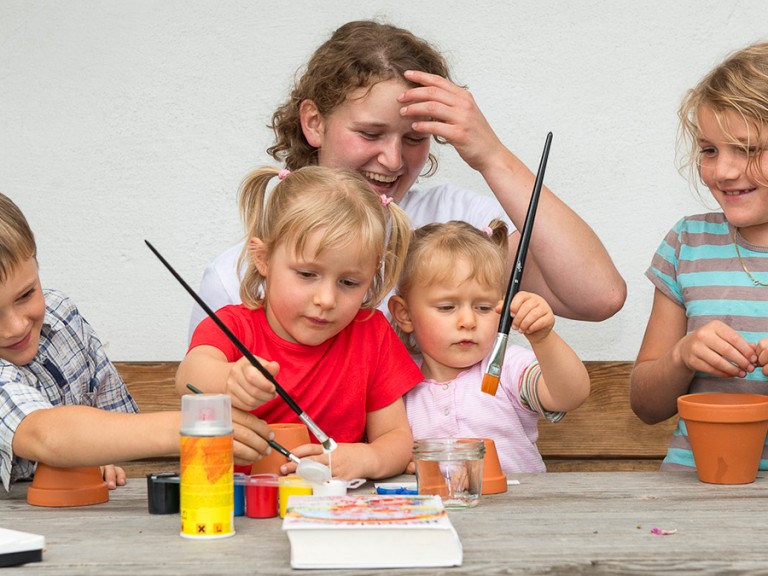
[(359, 54), (739, 84)]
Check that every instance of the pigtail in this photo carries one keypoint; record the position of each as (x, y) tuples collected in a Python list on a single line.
[(396, 250), (500, 236), (251, 198)]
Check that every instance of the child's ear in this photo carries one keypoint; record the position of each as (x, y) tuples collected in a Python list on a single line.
[(398, 309), (258, 253), (312, 123)]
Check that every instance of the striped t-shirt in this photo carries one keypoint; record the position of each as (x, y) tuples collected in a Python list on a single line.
[(697, 266)]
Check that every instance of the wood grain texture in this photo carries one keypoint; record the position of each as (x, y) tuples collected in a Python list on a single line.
[(550, 524), (605, 427), (602, 435)]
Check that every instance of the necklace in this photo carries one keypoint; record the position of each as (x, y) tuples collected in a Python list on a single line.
[(755, 281)]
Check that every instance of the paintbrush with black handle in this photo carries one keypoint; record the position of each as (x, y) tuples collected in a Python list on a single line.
[(493, 372)]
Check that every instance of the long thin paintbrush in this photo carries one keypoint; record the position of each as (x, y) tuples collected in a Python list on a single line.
[(493, 372), (328, 443)]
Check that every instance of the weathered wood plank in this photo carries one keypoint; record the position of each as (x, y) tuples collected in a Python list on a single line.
[(605, 426), (151, 384)]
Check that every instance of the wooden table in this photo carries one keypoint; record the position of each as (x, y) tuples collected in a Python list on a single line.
[(566, 523)]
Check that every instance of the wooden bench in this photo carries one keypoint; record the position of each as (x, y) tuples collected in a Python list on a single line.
[(601, 435)]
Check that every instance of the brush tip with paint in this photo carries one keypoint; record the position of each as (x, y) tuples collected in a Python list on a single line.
[(490, 384)]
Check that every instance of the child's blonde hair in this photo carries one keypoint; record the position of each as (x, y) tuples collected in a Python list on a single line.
[(17, 243), (337, 202), (434, 251), (739, 84), (358, 55)]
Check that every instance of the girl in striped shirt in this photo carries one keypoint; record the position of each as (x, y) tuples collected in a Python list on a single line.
[(708, 329)]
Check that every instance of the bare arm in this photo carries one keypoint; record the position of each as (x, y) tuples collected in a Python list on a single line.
[(668, 359), (206, 368), (85, 436), (567, 263), (564, 384)]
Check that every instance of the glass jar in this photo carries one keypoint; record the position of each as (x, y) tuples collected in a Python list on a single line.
[(451, 468)]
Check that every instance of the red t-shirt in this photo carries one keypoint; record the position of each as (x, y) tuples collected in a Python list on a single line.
[(363, 368)]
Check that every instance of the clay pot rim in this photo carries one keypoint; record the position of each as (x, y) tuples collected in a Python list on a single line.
[(54, 486), (726, 407)]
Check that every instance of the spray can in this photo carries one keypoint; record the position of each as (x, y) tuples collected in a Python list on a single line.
[(207, 467)]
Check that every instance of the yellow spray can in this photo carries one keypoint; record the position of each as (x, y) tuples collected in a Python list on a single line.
[(207, 467)]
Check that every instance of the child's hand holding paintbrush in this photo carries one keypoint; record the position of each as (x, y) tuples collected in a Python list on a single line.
[(564, 382)]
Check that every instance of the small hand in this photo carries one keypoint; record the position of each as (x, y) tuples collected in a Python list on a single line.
[(717, 349), (531, 316), (250, 435), (761, 350), (347, 461), (315, 451), (248, 387), (113, 475)]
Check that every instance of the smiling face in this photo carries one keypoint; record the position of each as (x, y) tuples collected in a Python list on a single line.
[(367, 133), (22, 310), (311, 297), (454, 322), (733, 166)]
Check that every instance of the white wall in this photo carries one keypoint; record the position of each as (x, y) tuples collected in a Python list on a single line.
[(123, 120)]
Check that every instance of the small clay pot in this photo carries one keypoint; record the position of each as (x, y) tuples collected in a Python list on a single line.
[(727, 433), (494, 479), (289, 436), (60, 487)]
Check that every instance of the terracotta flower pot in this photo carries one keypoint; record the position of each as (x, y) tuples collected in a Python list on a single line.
[(59, 487), (727, 433), (494, 479), (289, 436)]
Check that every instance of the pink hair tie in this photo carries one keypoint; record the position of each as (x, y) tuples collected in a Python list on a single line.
[(283, 174), (385, 200), (488, 230)]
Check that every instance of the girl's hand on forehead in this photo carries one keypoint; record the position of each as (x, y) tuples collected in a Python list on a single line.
[(247, 387), (441, 108)]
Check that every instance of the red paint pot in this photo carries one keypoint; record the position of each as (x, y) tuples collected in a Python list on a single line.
[(261, 496)]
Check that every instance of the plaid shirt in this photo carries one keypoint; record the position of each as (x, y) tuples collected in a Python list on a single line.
[(70, 368)]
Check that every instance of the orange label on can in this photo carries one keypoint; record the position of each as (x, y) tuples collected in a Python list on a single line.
[(207, 487)]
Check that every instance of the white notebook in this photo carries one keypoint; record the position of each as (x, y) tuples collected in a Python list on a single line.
[(20, 547)]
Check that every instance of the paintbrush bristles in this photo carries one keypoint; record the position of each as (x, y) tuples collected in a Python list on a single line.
[(490, 384)]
